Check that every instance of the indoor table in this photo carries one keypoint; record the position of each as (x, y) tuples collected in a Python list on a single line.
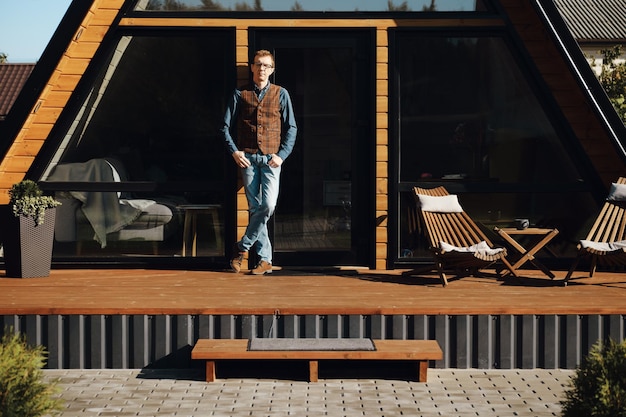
[(190, 227)]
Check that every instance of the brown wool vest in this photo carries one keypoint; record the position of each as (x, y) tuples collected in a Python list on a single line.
[(259, 124)]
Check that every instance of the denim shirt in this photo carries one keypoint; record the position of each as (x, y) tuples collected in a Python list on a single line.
[(288, 130)]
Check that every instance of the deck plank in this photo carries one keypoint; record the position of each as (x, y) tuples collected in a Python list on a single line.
[(143, 291)]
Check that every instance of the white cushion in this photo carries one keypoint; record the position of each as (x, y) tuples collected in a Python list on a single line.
[(440, 204), (617, 192), (603, 246), (116, 176), (481, 247)]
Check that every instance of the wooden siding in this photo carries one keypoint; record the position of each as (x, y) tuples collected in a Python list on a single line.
[(381, 24), (382, 150), (56, 93)]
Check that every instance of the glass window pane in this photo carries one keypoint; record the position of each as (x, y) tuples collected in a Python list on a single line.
[(152, 113), (470, 118), (468, 112), (312, 5), (314, 210)]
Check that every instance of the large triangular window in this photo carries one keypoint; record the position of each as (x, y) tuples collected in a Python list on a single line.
[(142, 148), (471, 118)]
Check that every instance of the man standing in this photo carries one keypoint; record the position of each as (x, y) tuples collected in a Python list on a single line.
[(260, 132)]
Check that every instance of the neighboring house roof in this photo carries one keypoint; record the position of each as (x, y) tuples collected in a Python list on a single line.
[(595, 20), (12, 79)]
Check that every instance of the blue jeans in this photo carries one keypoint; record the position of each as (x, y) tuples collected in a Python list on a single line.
[(261, 183)]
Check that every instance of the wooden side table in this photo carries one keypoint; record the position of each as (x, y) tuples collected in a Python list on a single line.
[(528, 255), (190, 226)]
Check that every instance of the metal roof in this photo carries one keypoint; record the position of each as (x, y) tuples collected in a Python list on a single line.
[(12, 79), (595, 20)]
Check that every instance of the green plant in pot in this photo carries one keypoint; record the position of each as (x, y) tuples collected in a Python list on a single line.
[(27, 199), (28, 231)]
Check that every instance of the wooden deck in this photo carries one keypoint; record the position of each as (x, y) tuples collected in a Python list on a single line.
[(154, 292)]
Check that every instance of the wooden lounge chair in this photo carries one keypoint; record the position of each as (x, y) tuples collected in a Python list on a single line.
[(455, 240), (605, 243)]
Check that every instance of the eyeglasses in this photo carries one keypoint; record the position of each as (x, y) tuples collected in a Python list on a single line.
[(263, 66)]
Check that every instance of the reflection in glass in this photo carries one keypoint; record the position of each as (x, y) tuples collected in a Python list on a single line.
[(151, 117), (468, 115), (312, 5), (314, 208)]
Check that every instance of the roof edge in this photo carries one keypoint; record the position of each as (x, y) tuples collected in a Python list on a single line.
[(584, 74), (41, 74)]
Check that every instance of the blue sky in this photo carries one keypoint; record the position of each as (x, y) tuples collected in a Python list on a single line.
[(27, 26)]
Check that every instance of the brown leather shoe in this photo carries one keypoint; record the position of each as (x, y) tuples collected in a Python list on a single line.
[(237, 258), (262, 268)]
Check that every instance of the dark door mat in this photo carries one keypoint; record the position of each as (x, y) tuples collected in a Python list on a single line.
[(311, 344)]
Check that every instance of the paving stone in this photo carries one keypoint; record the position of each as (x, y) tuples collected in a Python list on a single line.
[(467, 392)]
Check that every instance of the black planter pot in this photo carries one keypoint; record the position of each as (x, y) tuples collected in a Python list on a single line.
[(27, 247)]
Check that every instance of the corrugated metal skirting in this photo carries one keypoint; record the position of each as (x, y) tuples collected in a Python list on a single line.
[(468, 341)]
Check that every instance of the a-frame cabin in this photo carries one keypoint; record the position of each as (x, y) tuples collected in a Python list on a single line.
[(491, 98)]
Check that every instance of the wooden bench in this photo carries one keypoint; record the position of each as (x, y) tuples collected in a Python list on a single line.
[(420, 351)]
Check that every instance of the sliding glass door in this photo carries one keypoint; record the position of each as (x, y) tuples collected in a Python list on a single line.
[(326, 188)]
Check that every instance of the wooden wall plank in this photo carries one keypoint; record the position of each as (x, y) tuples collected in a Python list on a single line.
[(91, 34), (382, 71), (242, 55), (18, 163), (382, 54), (382, 120), (48, 114), (382, 185), (29, 147), (310, 23), (8, 179), (382, 39), (382, 154), (382, 88), (110, 4), (84, 50), (38, 130), (382, 104), (75, 66), (104, 17), (381, 202), (67, 82), (382, 136)]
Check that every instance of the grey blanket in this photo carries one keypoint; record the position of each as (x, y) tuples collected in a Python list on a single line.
[(102, 209)]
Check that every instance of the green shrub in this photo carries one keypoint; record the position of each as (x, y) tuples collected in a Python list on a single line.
[(613, 79), (599, 385), (23, 393)]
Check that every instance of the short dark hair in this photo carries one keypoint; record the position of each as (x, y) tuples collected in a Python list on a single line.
[(263, 52)]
